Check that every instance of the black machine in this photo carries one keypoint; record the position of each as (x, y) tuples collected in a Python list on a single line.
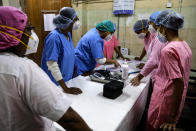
[(105, 76), (113, 84), (113, 89)]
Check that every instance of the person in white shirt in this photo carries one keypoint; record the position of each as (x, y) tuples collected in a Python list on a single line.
[(29, 100)]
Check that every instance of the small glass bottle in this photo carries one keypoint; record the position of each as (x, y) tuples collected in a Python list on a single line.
[(125, 69)]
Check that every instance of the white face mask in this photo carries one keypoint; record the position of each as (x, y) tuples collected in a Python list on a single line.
[(151, 29), (141, 35), (76, 25), (161, 37), (108, 37), (33, 44)]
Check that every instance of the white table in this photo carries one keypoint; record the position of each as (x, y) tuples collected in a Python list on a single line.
[(103, 114)]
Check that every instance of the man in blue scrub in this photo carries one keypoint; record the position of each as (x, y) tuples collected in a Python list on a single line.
[(58, 56), (89, 51)]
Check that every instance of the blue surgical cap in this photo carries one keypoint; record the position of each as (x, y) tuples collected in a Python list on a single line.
[(65, 17), (140, 24), (105, 26), (154, 16), (170, 19)]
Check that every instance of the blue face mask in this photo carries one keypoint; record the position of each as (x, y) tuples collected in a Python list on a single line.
[(161, 37)]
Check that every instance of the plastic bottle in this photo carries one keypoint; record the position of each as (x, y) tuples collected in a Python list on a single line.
[(125, 69)]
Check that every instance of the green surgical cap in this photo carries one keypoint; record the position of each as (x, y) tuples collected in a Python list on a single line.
[(105, 26)]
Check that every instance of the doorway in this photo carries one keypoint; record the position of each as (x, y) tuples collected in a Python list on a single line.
[(34, 10)]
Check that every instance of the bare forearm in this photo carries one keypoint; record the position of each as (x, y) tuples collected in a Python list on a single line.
[(143, 53), (118, 52), (72, 90), (177, 97), (109, 61), (63, 85), (75, 71), (72, 121)]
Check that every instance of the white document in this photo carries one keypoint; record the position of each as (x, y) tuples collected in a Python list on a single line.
[(48, 22), (124, 51), (123, 6)]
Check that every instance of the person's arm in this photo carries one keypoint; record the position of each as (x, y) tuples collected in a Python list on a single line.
[(151, 64), (72, 90), (71, 121), (107, 61), (110, 61), (45, 99), (87, 73), (170, 59), (119, 53), (154, 58), (116, 48), (177, 96), (52, 54), (140, 66), (55, 71), (75, 74), (97, 53), (142, 55), (136, 80)]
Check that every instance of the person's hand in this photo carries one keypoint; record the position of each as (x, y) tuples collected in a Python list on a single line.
[(128, 59), (168, 127), (135, 81), (87, 73), (73, 90), (137, 58), (116, 63), (140, 66)]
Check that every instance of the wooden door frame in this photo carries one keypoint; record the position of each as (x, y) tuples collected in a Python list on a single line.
[(1, 3), (23, 4), (26, 6)]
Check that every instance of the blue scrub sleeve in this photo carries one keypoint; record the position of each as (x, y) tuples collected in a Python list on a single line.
[(97, 49), (52, 48)]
